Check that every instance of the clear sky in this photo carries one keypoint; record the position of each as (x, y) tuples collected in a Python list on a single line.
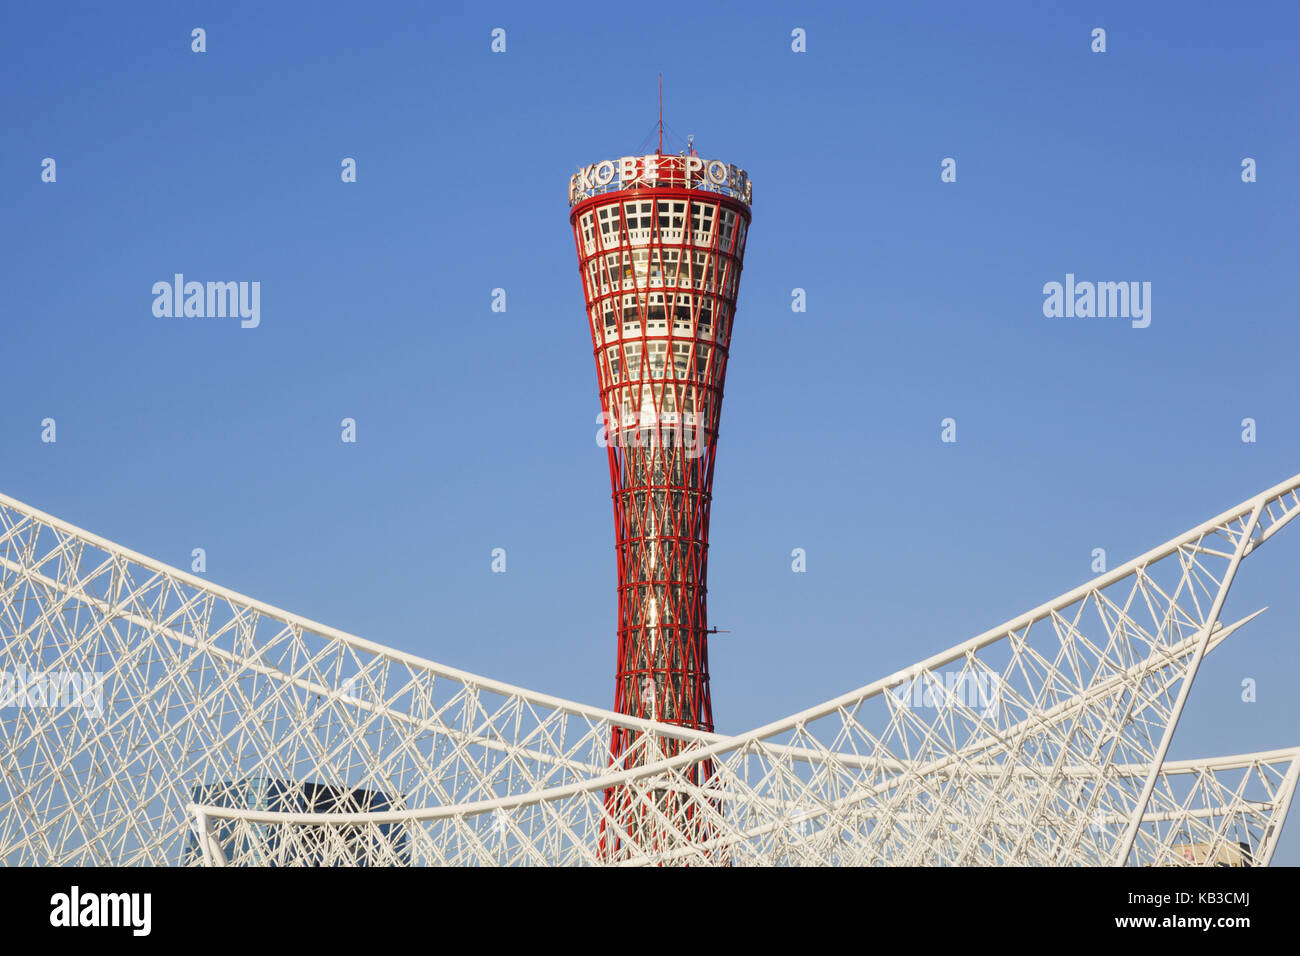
[(476, 430)]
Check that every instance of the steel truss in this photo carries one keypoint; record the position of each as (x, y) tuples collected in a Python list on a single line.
[(227, 731)]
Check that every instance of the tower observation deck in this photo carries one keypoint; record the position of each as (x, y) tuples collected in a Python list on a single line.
[(660, 242)]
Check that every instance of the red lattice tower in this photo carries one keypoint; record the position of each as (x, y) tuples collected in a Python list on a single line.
[(660, 242)]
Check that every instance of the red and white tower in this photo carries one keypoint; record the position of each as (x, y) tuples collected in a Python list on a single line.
[(660, 241)]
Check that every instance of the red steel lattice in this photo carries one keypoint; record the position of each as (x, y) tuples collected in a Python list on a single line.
[(660, 261)]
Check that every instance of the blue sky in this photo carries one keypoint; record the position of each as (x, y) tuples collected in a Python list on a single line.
[(476, 429)]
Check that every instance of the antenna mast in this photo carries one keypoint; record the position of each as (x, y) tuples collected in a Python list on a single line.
[(661, 115)]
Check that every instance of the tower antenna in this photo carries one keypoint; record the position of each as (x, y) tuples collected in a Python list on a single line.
[(661, 115)]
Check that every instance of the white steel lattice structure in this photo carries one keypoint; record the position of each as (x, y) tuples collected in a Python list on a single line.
[(226, 731)]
